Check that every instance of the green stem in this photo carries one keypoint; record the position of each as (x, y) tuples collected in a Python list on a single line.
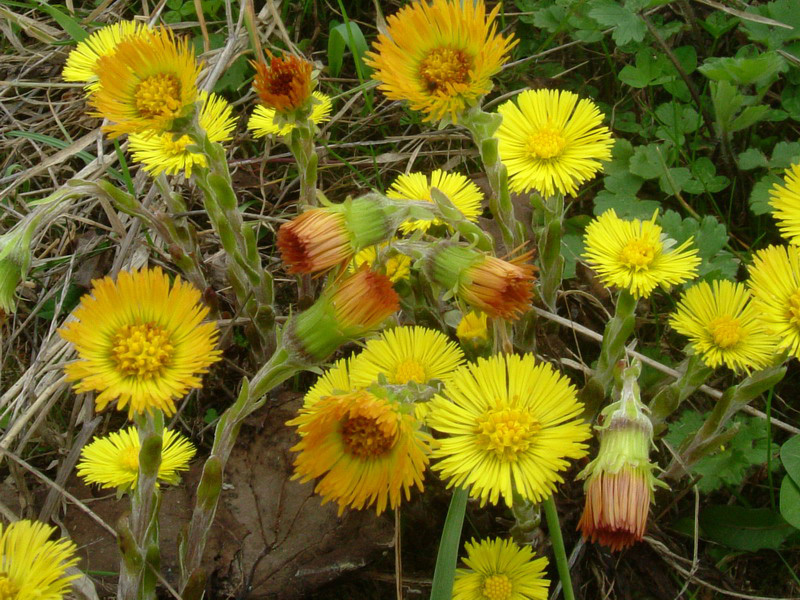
[(449, 545), (301, 143), (552, 262), (553, 526), (694, 373)]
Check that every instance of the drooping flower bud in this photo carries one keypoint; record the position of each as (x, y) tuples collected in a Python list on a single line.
[(620, 482), (350, 309), (322, 238), (497, 287)]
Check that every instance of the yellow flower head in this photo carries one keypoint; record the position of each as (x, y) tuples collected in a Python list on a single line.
[(473, 327), (147, 83), (113, 461), (164, 153), (501, 570), (368, 451), (33, 567), (263, 122), (406, 354), (551, 141), (82, 61), (636, 256), (512, 424), (785, 199), (396, 266), (285, 84), (140, 341), (439, 57), (334, 381), (775, 285), (723, 326), (463, 193)]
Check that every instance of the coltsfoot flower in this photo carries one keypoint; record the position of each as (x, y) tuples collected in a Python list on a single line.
[(395, 266), (635, 255), (284, 84), (473, 327), (32, 566), (406, 354), (785, 199), (140, 341), (723, 326), (439, 57), (146, 84), (112, 461), (501, 570), (168, 153), (551, 141), (511, 423), (366, 450), (264, 119)]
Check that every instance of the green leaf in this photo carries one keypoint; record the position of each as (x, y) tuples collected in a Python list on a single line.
[(748, 529), (626, 206), (744, 70), (790, 502), (749, 116), (628, 26), (346, 35), (752, 158), (710, 237), (647, 161), (759, 196), (651, 69), (67, 23), (234, 76), (790, 457), (70, 300), (783, 11), (705, 179), (785, 154)]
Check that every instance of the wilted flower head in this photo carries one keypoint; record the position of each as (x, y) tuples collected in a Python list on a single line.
[(284, 84)]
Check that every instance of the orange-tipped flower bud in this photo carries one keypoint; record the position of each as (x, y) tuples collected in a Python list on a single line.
[(620, 481), (349, 310), (285, 84), (322, 238), (497, 287)]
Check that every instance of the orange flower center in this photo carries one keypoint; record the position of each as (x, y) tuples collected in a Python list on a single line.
[(410, 370), (507, 432), (158, 95), (794, 309), (497, 587), (726, 331), (142, 350), (546, 143), (363, 437), (8, 589), (638, 254), (445, 67)]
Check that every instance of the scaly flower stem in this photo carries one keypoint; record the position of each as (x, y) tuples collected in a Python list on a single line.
[(139, 540), (482, 126), (251, 282), (280, 367), (694, 373), (554, 527), (301, 143), (712, 434), (551, 262)]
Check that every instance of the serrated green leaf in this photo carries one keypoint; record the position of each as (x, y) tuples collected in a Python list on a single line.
[(744, 70), (626, 206), (785, 154), (647, 161), (752, 158), (650, 69), (759, 196), (749, 116), (672, 180), (748, 529), (790, 502), (782, 11), (628, 26)]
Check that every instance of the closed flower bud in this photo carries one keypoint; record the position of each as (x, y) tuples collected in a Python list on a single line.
[(497, 287), (352, 308), (620, 481), (472, 328), (322, 238), (15, 259)]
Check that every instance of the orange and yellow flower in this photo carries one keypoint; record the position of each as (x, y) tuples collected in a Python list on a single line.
[(284, 84)]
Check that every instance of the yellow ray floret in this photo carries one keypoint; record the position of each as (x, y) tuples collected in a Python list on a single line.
[(140, 341), (723, 326), (406, 354), (394, 265), (82, 61), (367, 451), (439, 57), (146, 84), (785, 199), (32, 566), (635, 255), (263, 120), (511, 424), (463, 193), (501, 570), (113, 461), (168, 153), (775, 285), (333, 381), (551, 141)]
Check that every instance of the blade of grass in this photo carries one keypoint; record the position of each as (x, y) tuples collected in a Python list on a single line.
[(449, 545)]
